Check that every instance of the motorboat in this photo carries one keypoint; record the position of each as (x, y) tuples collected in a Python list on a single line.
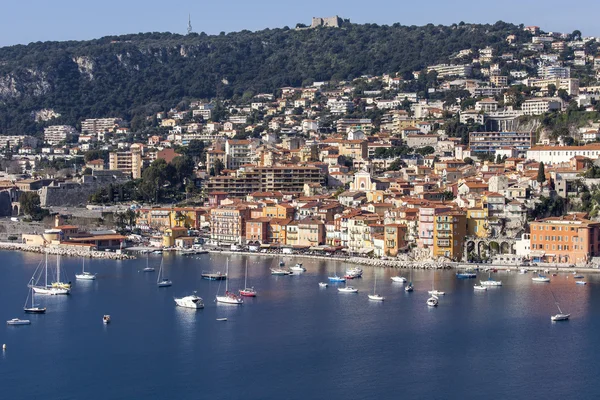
[(409, 288), (106, 319), (221, 319), (298, 268), (213, 276), (432, 301), (540, 278), (191, 301), (280, 272), (354, 272), (84, 275), (490, 282), (523, 271), (436, 292), (164, 283), (479, 287), (323, 284), (228, 297), (336, 278), (580, 282), (577, 276), (347, 289), (466, 275), (376, 297), (17, 321), (399, 279)]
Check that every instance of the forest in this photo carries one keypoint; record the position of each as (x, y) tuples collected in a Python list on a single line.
[(134, 76)]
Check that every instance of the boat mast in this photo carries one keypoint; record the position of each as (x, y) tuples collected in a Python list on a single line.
[(375, 285), (227, 277), (46, 269), (57, 268), (246, 278)]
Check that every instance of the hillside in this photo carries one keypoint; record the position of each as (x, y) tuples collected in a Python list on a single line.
[(134, 75)]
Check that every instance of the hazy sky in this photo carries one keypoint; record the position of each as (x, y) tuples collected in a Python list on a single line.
[(23, 22)]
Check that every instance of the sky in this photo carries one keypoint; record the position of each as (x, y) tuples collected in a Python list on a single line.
[(42, 20)]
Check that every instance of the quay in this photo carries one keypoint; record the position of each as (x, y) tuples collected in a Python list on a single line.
[(67, 252)]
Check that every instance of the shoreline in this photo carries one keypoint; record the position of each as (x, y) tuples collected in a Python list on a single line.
[(68, 252)]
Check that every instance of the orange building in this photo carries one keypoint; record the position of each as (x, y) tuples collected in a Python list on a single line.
[(566, 239), (394, 239), (257, 230), (449, 232)]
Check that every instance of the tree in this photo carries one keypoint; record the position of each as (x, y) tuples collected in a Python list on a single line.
[(87, 171), (468, 160), (541, 175), (30, 205), (551, 90), (425, 151), (219, 166)]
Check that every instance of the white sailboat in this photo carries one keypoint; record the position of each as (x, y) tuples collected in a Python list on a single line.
[(375, 296), (48, 289), (434, 292), (247, 291), (560, 316), (84, 275), (161, 281), (348, 289), (33, 308), (433, 301), (228, 297), (409, 288), (148, 267), (60, 284)]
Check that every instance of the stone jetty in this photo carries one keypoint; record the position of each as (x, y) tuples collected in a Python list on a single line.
[(63, 251)]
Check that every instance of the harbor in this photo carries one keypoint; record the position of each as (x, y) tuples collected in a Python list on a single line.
[(294, 324)]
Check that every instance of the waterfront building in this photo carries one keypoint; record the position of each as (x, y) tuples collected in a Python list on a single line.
[(228, 224), (450, 230)]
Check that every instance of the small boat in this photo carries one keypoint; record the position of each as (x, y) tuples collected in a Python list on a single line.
[(347, 289), (580, 282), (46, 288), (436, 292), (399, 279), (577, 276), (432, 301), (540, 278), (479, 287), (354, 272), (466, 275), (348, 276), (523, 271), (375, 296), (560, 316), (247, 291), (281, 263), (213, 276), (191, 301), (148, 268), (161, 281), (409, 288), (323, 284), (490, 282), (17, 321), (221, 319), (336, 278), (85, 276), (546, 271), (33, 308), (298, 268), (106, 319), (157, 252), (555, 274), (280, 272), (228, 297)]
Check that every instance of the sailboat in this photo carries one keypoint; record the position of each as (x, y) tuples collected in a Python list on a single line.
[(434, 292), (161, 281), (560, 316), (32, 309), (228, 297), (59, 284), (247, 292), (409, 287), (148, 268), (85, 276), (375, 296), (46, 289)]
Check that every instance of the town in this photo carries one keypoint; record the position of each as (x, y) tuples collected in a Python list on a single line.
[(489, 157)]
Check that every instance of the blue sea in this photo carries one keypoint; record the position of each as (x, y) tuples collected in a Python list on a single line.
[(295, 340)]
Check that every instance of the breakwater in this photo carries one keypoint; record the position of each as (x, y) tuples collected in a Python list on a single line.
[(65, 251)]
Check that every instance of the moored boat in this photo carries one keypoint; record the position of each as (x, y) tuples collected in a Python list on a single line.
[(280, 272), (432, 301), (192, 301), (479, 287), (298, 268), (106, 319), (348, 289), (228, 297), (17, 321), (540, 278), (323, 284), (399, 279)]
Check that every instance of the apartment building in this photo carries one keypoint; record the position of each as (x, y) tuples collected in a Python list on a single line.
[(499, 80), (212, 156), (571, 85), (129, 162), (238, 153), (540, 106), (228, 224), (55, 134), (567, 239), (357, 149), (554, 72), (266, 179), (162, 218), (99, 125), (445, 70), (489, 142), (563, 154), (427, 215), (450, 230), (344, 125), (394, 239), (340, 106), (360, 230)]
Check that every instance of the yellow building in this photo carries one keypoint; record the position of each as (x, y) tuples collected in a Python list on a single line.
[(477, 222), (164, 217), (171, 234), (449, 231)]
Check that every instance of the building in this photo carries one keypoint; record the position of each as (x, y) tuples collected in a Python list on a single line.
[(55, 134), (340, 106), (571, 85), (311, 232), (358, 149), (212, 156), (450, 230), (228, 224), (12, 141), (568, 239), (540, 106), (289, 178), (128, 162), (394, 239), (427, 214), (563, 154), (417, 141), (554, 72), (100, 125), (445, 70), (489, 142), (343, 125), (238, 153), (257, 230)]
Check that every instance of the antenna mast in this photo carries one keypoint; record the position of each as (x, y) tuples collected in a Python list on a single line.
[(189, 27)]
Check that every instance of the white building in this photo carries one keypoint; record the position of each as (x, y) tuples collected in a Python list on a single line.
[(97, 125), (562, 154), (523, 246), (340, 106), (541, 105), (55, 134)]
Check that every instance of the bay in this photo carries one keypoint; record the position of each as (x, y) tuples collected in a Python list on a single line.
[(295, 340)]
